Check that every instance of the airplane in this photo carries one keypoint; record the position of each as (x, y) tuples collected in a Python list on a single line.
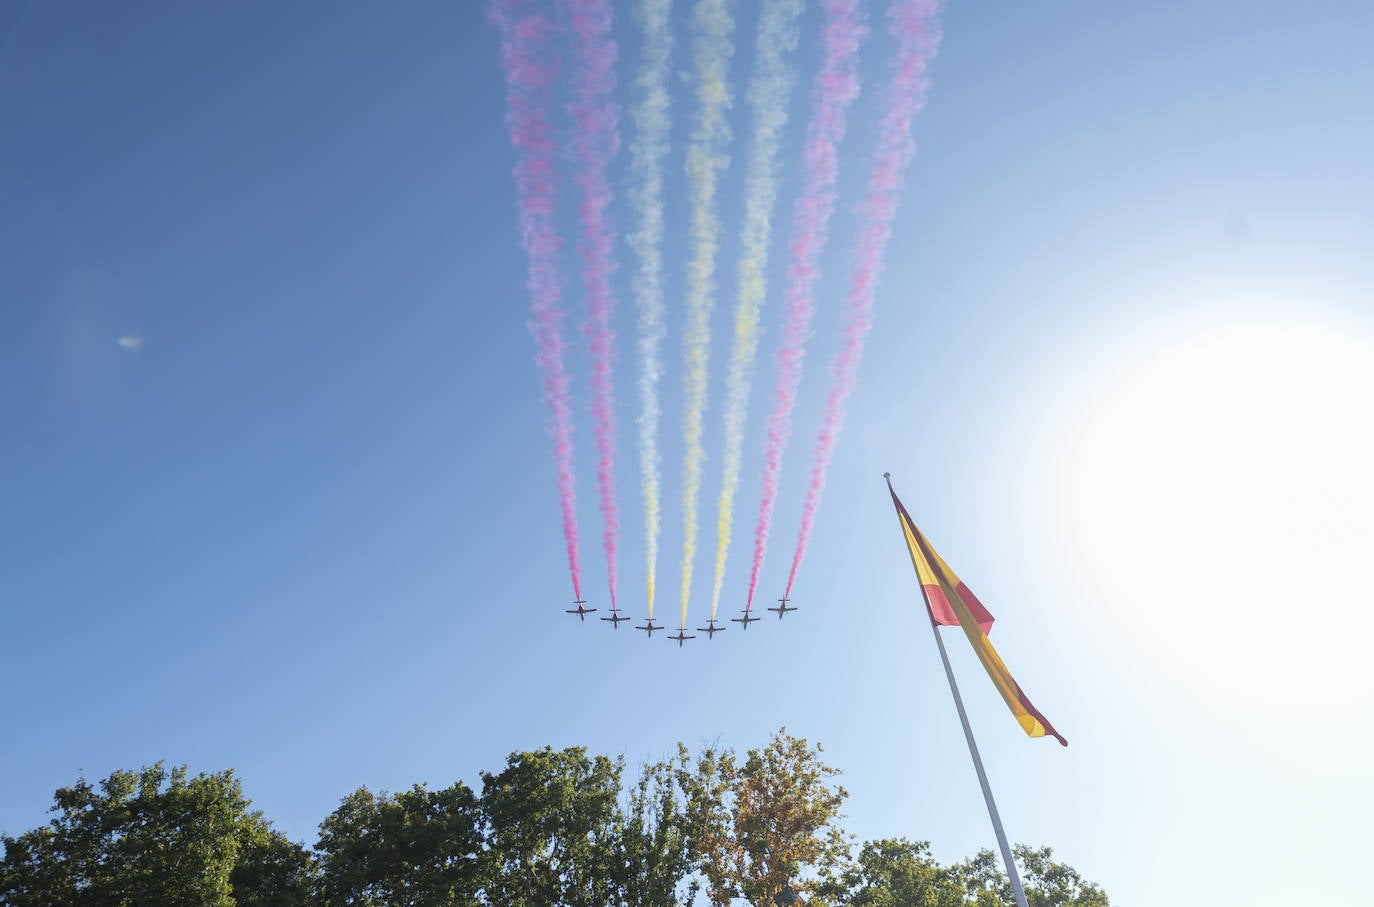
[(615, 618), (782, 608), (681, 637), (580, 611), (746, 620), (711, 629), (650, 628)]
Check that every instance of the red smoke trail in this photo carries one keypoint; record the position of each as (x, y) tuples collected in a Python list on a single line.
[(531, 70), (837, 85), (596, 139), (913, 23)]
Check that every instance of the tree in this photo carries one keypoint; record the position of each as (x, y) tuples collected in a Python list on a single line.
[(1051, 884), (707, 789), (982, 879), (271, 870), (553, 828), (1047, 883), (419, 848), (654, 849), (895, 872), (149, 837), (766, 824), (552, 824)]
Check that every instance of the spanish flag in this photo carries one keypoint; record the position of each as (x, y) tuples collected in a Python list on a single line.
[(950, 602)]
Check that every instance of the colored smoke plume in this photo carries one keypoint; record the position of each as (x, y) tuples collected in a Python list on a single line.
[(769, 90), (595, 142), (706, 161), (530, 69), (650, 116), (915, 26), (836, 87)]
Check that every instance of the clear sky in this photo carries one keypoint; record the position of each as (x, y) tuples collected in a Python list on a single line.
[(305, 524)]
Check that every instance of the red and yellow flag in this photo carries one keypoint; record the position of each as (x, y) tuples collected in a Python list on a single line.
[(950, 603)]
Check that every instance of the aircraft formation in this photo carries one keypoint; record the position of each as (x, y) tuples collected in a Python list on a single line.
[(566, 130), (681, 636)]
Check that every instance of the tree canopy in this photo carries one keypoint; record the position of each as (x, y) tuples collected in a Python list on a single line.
[(155, 836), (551, 827)]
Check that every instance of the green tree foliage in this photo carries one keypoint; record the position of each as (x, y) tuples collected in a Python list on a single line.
[(895, 872), (1047, 883), (655, 861), (983, 881), (553, 828), (1051, 884), (706, 787), (419, 848), (553, 822), (271, 870), (151, 837)]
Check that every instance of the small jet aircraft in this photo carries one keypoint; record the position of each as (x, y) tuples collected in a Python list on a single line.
[(580, 611), (649, 627), (782, 608), (615, 618), (746, 620), (711, 629), (681, 637)]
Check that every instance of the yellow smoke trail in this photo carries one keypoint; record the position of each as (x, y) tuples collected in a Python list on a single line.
[(770, 87), (651, 117), (712, 26)]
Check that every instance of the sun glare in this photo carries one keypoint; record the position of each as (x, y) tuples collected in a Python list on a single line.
[(1222, 495)]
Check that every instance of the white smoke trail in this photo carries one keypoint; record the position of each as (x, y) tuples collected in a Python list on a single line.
[(650, 114)]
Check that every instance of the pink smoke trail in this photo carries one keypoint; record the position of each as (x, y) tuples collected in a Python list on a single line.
[(531, 70), (596, 139), (914, 24), (837, 85)]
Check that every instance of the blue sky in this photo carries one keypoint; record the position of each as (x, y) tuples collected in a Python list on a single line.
[(1122, 371)]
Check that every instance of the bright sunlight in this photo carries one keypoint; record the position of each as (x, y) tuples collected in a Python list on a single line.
[(1225, 483)]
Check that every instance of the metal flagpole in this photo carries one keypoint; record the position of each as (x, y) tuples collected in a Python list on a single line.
[(968, 731), (982, 775)]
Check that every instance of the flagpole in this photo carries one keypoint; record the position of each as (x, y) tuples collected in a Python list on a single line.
[(968, 736)]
